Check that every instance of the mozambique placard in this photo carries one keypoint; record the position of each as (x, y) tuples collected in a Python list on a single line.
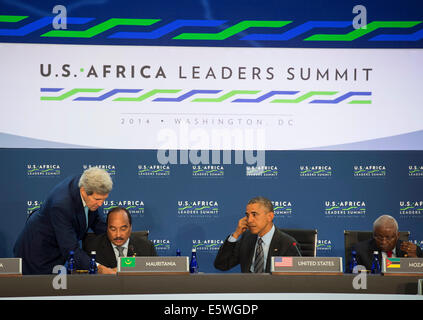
[(402, 265)]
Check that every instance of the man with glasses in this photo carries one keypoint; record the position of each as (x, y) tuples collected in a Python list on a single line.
[(386, 241)]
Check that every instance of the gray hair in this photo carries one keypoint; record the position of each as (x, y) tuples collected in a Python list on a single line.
[(385, 219), (96, 180), (263, 201)]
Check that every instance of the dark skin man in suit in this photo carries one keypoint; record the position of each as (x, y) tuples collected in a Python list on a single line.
[(239, 247)]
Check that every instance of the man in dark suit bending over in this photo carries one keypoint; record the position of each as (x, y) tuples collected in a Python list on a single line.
[(56, 228), (255, 240), (117, 242)]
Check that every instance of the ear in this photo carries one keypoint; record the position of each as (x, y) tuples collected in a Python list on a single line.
[(271, 215)]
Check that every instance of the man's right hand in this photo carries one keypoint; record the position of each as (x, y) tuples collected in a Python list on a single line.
[(241, 228), (104, 270)]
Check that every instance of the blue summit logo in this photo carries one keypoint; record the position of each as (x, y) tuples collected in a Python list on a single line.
[(261, 171), (315, 171), (135, 207), (412, 209), (110, 168), (282, 209), (161, 244), (346, 208), (370, 171), (415, 171), (199, 208), (43, 170), (208, 171), (207, 245), (153, 170)]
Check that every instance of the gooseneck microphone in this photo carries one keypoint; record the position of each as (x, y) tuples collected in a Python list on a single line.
[(298, 250)]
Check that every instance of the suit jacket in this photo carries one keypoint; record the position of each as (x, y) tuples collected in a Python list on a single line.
[(55, 229), (365, 250), (241, 252), (105, 254)]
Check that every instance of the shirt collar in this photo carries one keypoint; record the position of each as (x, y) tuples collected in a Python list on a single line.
[(267, 238), (83, 202), (125, 245)]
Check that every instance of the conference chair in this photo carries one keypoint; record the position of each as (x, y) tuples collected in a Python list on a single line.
[(306, 240), (90, 237), (351, 237)]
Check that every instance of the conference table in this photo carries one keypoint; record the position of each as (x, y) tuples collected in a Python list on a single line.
[(203, 283)]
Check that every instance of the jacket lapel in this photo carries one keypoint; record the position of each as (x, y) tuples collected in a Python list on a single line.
[(251, 245), (273, 249)]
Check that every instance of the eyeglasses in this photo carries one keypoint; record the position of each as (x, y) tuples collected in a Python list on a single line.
[(382, 238)]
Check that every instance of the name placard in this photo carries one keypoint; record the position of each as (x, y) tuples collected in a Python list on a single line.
[(148, 265), (304, 265), (10, 266), (402, 265)]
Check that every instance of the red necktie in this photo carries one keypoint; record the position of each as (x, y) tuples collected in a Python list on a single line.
[(389, 253)]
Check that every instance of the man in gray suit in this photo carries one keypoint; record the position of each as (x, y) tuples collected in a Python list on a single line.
[(255, 240), (117, 242)]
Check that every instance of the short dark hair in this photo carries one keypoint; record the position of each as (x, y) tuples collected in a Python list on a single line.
[(263, 201), (116, 209)]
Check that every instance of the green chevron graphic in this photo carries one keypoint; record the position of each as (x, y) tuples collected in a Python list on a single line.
[(148, 94), (101, 27), (69, 93), (4, 18), (357, 33), (226, 96), (304, 96), (360, 102), (239, 27)]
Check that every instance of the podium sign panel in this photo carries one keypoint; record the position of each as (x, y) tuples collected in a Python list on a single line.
[(148, 265), (10, 266), (402, 265), (303, 265)]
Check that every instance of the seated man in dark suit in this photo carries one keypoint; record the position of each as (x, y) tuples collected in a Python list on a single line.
[(117, 242), (255, 240), (386, 241)]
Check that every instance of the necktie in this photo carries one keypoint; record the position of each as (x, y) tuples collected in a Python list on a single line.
[(259, 258), (389, 253), (120, 249), (86, 215)]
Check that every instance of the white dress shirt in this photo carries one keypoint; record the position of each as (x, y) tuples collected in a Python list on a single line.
[(267, 239)]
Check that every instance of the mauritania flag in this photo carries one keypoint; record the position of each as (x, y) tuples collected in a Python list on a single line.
[(393, 263), (127, 262)]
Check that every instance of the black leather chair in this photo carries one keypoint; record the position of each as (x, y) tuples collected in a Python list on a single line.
[(306, 240), (90, 237), (351, 237)]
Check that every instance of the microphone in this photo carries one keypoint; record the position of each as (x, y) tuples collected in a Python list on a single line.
[(295, 245)]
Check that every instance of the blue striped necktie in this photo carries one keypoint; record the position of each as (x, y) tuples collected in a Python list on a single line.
[(259, 258)]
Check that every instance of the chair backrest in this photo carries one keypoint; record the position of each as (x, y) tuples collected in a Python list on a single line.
[(306, 240), (89, 239), (351, 237)]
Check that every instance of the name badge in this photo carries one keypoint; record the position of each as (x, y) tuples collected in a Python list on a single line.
[(147, 265), (331, 265), (402, 265), (10, 266)]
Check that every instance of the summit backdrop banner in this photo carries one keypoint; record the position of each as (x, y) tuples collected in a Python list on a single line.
[(132, 97), (195, 107)]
